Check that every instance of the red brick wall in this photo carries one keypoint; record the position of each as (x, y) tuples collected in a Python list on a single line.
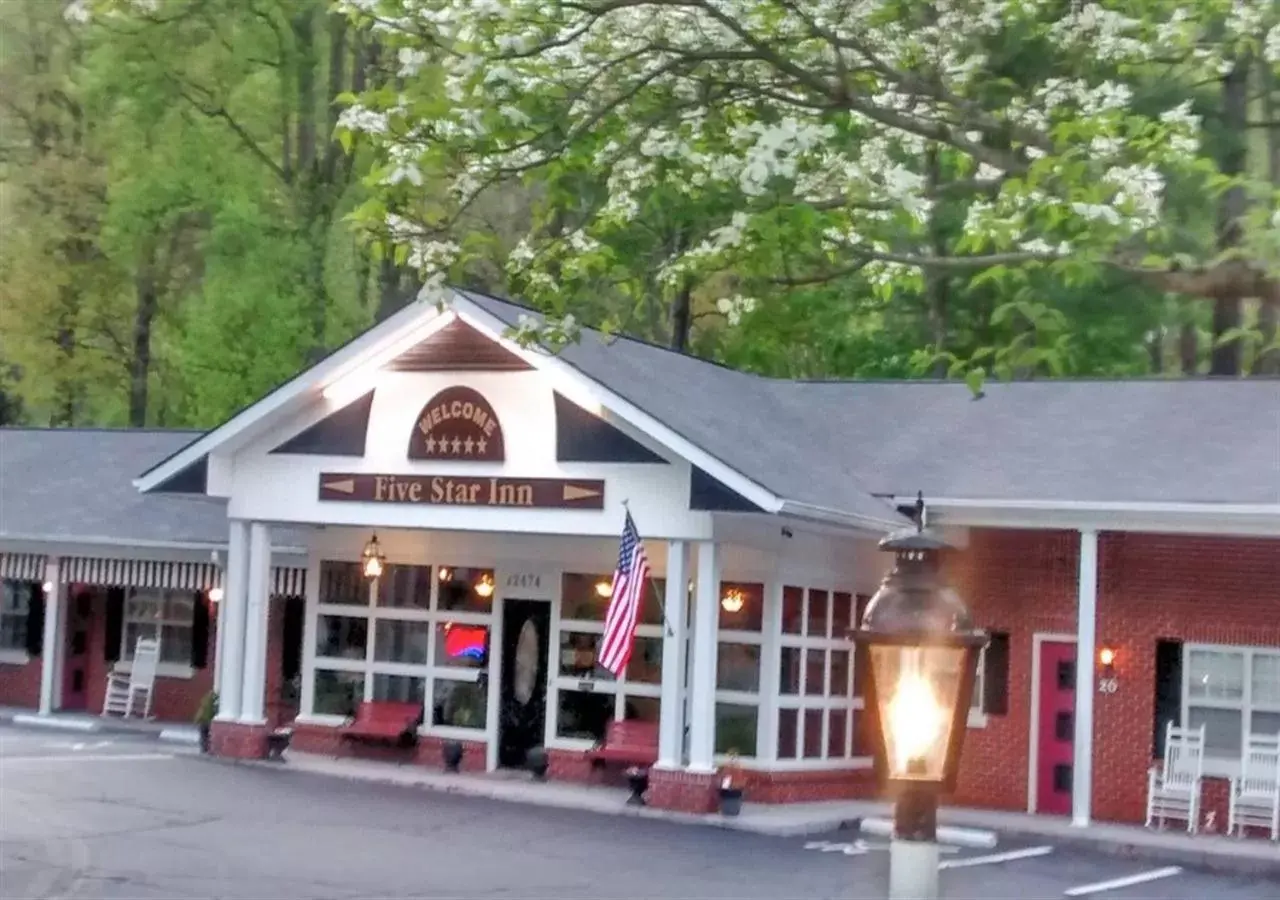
[(1151, 587), (20, 684), (328, 741)]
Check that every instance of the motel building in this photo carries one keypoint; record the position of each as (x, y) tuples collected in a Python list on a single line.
[(1119, 541)]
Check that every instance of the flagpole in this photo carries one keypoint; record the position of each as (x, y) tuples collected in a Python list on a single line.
[(662, 606)]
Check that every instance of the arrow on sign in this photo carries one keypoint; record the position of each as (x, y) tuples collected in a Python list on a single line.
[(573, 492), (345, 486)]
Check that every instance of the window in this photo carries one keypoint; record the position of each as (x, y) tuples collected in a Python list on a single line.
[(159, 613), (419, 634), (816, 683), (585, 696), (1234, 692), (15, 607), (977, 714)]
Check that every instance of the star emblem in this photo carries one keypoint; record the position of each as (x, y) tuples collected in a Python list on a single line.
[(469, 445), (431, 445), (480, 445), (457, 446)]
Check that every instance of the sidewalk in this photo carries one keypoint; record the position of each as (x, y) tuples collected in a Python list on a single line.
[(1212, 852), (84, 723)]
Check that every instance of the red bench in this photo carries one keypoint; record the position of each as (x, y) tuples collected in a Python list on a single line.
[(631, 741), (384, 720)]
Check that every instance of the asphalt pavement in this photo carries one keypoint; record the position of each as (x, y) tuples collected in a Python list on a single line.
[(126, 818)]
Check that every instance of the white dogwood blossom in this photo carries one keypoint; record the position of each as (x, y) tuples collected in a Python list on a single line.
[(821, 121)]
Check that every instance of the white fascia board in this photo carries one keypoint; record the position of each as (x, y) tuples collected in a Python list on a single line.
[(561, 371), (837, 517), (376, 346), (118, 547), (1099, 506)]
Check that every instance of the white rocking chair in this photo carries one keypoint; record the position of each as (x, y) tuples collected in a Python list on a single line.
[(1173, 788), (1255, 795), (124, 688)]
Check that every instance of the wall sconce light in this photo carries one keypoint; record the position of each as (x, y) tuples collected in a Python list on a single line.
[(48, 587), (215, 595), (604, 588), (373, 561), (446, 574), (733, 600), (1107, 660), (484, 587)]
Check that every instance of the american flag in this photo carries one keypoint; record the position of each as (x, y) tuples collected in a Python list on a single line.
[(624, 605)]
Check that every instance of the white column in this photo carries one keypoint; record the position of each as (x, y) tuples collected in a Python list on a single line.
[(231, 617), (702, 671), (54, 601), (220, 631), (1086, 638), (671, 717), (254, 690), (770, 667)]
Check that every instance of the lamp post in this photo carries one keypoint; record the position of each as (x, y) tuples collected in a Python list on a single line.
[(923, 653)]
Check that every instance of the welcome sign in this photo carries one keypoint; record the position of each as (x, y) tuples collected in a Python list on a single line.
[(457, 424)]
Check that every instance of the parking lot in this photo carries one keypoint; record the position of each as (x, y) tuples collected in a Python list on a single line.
[(125, 818)]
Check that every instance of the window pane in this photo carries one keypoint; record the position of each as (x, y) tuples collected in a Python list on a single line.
[(462, 646), (1222, 730), (402, 642), (839, 673), (1266, 679), (1265, 724), (132, 632), (736, 729), (583, 714), (459, 704), (741, 606), (337, 693), (579, 655), (400, 688), (343, 582), (815, 670), (790, 681), (860, 650), (179, 607), (836, 736), (738, 667), (644, 709), (404, 587), (341, 637), (841, 614), (787, 719), (15, 597), (469, 590), (1216, 675), (813, 734), (175, 644), (585, 597), (817, 620), (645, 666), (792, 610)]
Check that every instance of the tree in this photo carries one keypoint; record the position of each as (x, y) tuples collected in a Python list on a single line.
[(918, 149)]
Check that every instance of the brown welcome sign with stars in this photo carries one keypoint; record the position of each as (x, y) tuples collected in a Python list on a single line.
[(463, 490), (457, 424)]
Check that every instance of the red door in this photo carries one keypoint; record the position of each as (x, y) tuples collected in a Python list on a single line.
[(1057, 727), (75, 666)]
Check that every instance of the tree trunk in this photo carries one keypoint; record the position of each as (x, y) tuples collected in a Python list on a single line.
[(1189, 349), (1268, 361), (937, 284), (682, 319), (1155, 350), (148, 297), (1225, 357)]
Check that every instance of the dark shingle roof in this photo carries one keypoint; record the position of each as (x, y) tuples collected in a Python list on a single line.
[(833, 443)]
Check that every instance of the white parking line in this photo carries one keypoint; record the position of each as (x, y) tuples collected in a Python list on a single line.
[(87, 757), (1006, 856), (1140, 878)]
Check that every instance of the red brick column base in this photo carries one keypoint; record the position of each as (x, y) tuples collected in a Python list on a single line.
[(237, 741), (690, 792)]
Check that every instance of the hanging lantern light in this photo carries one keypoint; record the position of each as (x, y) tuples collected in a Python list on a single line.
[(484, 587), (373, 560)]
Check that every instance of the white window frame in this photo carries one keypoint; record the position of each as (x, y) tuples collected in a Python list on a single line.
[(163, 669), (828, 700), (22, 594), (1221, 766), (977, 703), (620, 688), (369, 667)]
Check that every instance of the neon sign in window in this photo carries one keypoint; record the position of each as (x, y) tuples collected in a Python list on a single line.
[(465, 641)]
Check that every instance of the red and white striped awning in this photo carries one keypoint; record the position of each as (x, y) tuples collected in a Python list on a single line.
[(22, 566), (192, 576)]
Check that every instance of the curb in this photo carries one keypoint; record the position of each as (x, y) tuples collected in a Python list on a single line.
[(188, 737), (35, 721), (974, 838)]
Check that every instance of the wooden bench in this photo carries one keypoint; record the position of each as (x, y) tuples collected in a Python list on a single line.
[(631, 741), (384, 721)]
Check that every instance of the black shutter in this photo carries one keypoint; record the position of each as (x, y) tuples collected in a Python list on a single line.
[(115, 624), (1168, 690), (35, 617), (995, 675), (199, 632), (291, 636)]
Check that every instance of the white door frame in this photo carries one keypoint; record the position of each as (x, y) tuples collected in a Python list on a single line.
[(1038, 640)]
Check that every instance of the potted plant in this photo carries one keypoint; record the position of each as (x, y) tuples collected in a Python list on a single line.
[(451, 754), (536, 762), (638, 779), (204, 718), (731, 781)]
